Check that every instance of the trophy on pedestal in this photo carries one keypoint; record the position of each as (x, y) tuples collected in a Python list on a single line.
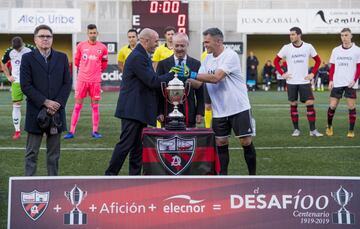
[(342, 216), (175, 93), (75, 217)]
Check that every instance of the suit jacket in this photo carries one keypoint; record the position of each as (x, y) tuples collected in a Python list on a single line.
[(40, 81), (196, 96), (138, 98)]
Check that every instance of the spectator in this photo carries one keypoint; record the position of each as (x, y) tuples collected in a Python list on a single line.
[(322, 77), (281, 82), (251, 66), (267, 73)]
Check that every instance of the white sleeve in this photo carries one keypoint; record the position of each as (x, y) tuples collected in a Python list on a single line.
[(358, 52), (313, 52), (332, 57), (282, 53), (230, 62)]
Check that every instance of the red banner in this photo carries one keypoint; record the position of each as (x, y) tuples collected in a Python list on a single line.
[(186, 152), (184, 202)]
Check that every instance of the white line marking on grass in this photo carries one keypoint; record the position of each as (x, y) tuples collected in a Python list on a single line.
[(231, 148)]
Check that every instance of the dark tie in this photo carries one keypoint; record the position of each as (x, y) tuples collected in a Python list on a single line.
[(180, 61)]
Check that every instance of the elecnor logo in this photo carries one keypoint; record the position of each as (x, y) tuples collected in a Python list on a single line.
[(112, 76), (183, 204)]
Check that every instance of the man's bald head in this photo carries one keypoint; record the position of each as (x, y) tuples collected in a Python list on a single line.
[(147, 33), (181, 37), (181, 44), (149, 39)]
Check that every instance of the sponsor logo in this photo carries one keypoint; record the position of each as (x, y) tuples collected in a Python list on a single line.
[(183, 204), (112, 76), (176, 153), (35, 203), (338, 18)]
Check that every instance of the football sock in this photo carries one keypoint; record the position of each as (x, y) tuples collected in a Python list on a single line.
[(208, 118), (330, 116), (352, 118), (95, 116), (223, 152), (250, 158), (311, 116), (294, 116), (16, 116), (75, 117)]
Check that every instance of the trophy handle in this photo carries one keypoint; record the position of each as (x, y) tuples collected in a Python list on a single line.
[(187, 90), (163, 89), (164, 92)]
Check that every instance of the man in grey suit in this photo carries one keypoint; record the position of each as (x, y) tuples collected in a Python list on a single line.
[(45, 80)]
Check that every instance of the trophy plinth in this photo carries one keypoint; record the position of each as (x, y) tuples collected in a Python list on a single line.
[(175, 93)]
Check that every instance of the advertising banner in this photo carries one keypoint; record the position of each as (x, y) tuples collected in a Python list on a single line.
[(184, 202), (60, 20), (4, 22), (279, 21), (111, 78)]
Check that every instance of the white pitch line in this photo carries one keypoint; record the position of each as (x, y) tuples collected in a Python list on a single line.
[(231, 148)]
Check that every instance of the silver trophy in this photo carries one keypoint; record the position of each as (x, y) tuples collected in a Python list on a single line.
[(175, 93), (75, 217), (342, 198)]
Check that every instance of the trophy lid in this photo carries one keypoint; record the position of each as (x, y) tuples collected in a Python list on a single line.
[(175, 84)]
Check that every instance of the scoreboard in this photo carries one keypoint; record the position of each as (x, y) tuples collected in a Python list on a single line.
[(157, 15)]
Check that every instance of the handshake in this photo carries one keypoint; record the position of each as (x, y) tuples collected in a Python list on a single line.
[(183, 72)]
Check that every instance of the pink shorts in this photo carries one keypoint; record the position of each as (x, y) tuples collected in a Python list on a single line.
[(85, 88)]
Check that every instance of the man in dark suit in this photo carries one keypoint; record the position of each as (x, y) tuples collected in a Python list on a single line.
[(137, 103), (193, 107), (45, 80)]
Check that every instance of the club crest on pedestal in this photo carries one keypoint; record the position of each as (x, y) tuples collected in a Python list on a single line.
[(176, 153)]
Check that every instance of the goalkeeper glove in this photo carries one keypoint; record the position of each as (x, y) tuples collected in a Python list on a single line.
[(186, 73), (177, 69)]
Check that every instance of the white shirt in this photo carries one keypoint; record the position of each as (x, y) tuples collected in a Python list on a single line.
[(228, 96), (177, 60), (345, 61), (15, 58), (297, 60)]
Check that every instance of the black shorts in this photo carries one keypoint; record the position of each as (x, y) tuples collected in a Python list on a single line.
[(207, 99), (338, 92), (241, 123), (304, 90)]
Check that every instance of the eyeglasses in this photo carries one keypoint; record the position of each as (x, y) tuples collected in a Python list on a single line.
[(45, 36)]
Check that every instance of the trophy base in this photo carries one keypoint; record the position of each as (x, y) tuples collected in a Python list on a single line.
[(343, 217), (75, 217), (175, 123)]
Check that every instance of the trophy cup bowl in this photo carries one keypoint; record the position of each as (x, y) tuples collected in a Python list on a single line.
[(175, 93)]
